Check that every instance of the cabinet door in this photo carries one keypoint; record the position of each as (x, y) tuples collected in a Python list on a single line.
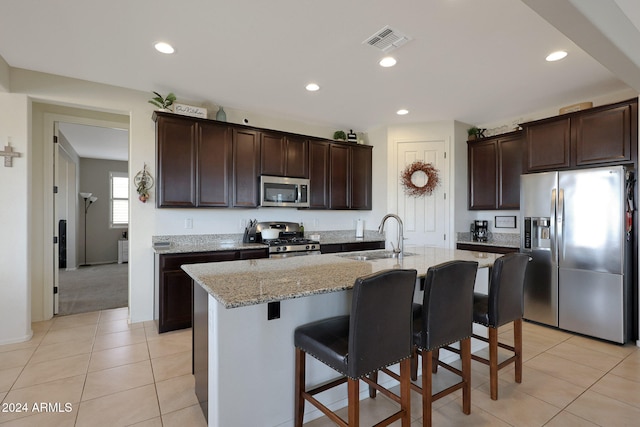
[(339, 196), (318, 174), (548, 145), (482, 161), (603, 136), (272, 149), (246, 168), (175, 301), (214, 164), (509, 171), (297, 157), (360, 167), (176, 148)]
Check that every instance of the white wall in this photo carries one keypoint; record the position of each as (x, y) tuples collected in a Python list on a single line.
[(145, 220), (15, 190), (4, 75)]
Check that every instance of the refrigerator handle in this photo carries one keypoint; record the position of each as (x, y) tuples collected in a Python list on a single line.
[(560, 224), (552, 235)]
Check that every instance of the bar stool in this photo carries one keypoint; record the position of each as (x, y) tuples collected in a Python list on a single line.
[(503, 304), (444, 317), (376, 334)]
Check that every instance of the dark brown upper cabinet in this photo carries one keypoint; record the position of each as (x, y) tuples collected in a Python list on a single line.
[(207, 163), (283, 155), (214, 165), (194, 163), (246, 168), (339, 176), (351, 176), (319, 174), (361, 177), (597, 136), (495, 165), (176, 157)]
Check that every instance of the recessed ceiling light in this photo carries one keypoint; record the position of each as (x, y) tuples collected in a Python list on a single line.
[(402, 112), (312, 87), (387, 61), (556, 56), (164, 47)]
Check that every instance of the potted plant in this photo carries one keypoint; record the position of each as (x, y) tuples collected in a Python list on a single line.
[(163, 103), (340, 135), (473, 132)]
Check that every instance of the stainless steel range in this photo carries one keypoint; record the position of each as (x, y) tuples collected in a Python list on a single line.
[(287, 239)]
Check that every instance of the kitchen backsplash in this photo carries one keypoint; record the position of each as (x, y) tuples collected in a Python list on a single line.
[(497, 239)]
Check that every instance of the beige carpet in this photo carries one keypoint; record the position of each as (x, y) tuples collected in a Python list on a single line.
[(92, 288)]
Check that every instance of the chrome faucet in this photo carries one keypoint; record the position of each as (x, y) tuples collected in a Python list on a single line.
[(396, 249)]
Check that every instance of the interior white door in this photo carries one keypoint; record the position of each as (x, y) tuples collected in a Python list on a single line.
[(425, 218), (56, 216)]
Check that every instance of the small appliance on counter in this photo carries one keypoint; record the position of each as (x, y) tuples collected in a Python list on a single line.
[(479, 230)]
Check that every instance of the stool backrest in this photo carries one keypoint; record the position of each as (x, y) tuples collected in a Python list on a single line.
[(380, 321), (447, 306), (506, 289)]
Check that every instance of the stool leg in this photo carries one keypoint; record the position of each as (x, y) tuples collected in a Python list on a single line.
[(517, 344), (465, 354), (436, 357), (373, 376), (353, 400), (427, 397), (300, 385), (493, 362), (414, 363), (405, 391)]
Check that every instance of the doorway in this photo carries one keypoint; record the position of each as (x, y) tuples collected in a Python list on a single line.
[(426, 218), (89, 274)]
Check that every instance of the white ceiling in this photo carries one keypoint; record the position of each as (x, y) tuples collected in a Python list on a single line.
[(97, 142), (473, 61)]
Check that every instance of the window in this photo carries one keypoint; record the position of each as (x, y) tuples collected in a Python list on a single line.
[(119, 199)]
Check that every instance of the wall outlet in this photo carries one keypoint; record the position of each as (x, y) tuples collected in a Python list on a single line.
[(188, 223)]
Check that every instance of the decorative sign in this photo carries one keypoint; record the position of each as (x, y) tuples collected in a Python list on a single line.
[(505, 222), (8, 155), (190, 110)]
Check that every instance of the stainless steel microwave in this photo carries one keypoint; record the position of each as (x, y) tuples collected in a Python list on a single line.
[(284, 192)]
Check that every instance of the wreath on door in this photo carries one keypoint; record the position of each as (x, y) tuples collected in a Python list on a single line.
[(410, 187)]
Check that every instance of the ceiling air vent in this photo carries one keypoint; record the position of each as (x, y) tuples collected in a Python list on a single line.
[(387, 39)]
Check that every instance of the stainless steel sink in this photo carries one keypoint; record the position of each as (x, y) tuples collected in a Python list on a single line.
[(374, 255)]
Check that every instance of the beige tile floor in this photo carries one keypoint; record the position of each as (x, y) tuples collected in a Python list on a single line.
[(111, 373)]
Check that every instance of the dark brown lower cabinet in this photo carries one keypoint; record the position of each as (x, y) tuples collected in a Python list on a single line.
[(332, 248), (486, 248), (173, 305)]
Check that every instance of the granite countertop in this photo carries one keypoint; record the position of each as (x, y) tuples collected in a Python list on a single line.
[(505, 240), (223, 242), (249, 282)]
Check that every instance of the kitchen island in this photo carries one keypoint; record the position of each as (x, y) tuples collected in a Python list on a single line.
[(245, 313)]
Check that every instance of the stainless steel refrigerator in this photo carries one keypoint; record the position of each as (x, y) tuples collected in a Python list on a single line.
[(575, 228)]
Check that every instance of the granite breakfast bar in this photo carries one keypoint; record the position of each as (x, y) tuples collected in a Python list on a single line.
[(244, 360)]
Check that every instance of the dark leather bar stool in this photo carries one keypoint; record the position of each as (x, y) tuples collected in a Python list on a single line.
[(445, 317), (503, 304), (377, 333)]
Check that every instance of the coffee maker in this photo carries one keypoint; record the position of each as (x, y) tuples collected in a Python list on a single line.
[(479, 230)]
